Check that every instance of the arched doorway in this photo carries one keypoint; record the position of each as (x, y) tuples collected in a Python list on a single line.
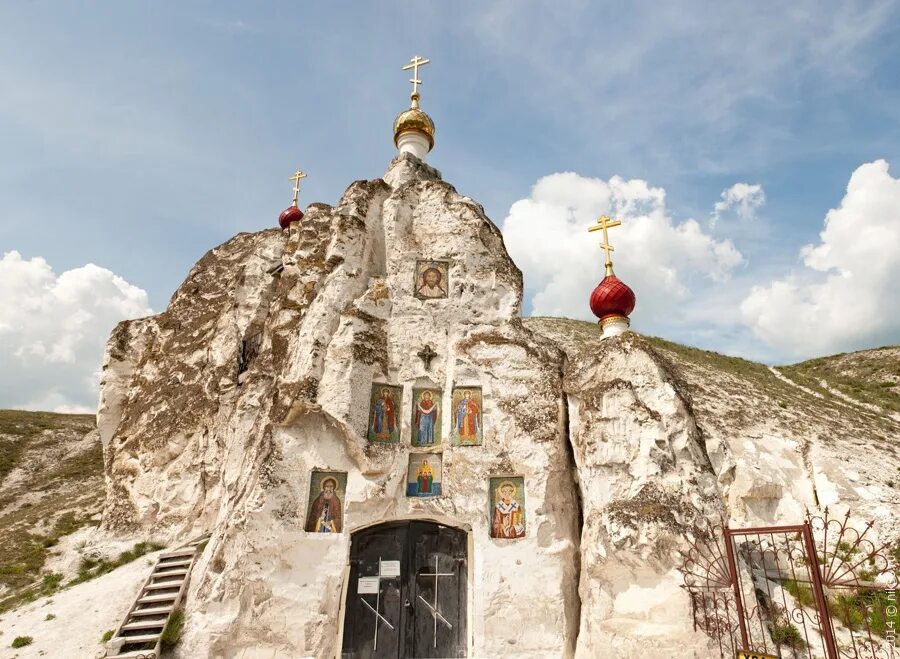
[(407, 592)]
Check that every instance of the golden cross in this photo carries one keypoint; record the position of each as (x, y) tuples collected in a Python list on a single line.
[(414, 64), (296, 179), (605, 222)]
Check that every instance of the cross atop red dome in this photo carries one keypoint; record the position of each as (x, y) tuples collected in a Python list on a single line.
[(292, 213), (612, 301)]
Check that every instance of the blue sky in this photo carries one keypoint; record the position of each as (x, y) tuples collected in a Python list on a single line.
[(135, 136)]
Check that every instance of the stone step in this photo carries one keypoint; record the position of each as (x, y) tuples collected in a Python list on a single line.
[(144, 624), (153, 611), (152, 599)]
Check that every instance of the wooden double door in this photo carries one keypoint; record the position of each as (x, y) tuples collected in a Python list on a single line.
[(407, 592)]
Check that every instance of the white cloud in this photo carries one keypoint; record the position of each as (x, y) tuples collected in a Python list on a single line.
[(661, 259), (741, 200), (53, 330), (846, 296)]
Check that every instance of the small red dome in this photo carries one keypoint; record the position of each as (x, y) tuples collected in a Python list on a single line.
[(292, 214), (612, 297)]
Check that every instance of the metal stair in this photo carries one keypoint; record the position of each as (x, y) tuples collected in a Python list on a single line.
[(139, 635)]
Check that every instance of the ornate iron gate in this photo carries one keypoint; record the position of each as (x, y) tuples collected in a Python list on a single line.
[(817, 589)]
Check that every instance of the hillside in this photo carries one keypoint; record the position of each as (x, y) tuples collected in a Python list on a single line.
[(778, 435), (51, 484)]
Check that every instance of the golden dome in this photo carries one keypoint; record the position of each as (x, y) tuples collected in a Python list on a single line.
[(416, 120)]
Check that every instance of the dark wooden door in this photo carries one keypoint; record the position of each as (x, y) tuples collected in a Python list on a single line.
[(407, 592)]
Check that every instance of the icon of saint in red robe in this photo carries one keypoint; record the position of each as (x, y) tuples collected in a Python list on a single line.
[(384, 418), (467, 420)]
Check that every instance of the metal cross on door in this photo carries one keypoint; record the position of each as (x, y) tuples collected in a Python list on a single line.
[(407, 592)]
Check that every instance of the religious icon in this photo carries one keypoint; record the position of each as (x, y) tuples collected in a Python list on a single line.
[(467, 425), (384, 408), (432, 279), (423, 478), (326, 494), (507, 507), (426, 418)]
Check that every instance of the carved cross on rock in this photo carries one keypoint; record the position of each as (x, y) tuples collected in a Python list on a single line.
[(426, 354)]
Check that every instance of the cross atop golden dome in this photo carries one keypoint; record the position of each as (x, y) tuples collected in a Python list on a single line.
[(414, 123)]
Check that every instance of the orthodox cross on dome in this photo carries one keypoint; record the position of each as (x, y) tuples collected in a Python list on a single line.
[(414, 64), (605, 222), (296, 179)]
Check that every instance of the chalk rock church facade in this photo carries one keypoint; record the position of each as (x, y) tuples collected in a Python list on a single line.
[(387, 460)]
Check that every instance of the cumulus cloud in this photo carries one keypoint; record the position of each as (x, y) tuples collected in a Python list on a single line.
[(846, 295), (546, 234), (53, 329), (741, 200)]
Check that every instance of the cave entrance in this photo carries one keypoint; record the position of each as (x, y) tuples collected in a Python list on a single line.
[(406, 596)]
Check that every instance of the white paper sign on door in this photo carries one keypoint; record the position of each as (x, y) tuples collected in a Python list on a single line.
[(367, 586), (390, 568)]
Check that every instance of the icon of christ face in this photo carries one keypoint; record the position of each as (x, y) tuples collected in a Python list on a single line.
[(431, 284)]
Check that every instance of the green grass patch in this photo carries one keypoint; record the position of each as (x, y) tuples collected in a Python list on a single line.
[(25, 553), (172, 632), (21, 641), (785, 634), (866, 609), (92, 567), (800, 592), (108, 634), (50, 616)]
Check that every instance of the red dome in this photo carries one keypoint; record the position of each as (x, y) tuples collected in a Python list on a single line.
[(612, 297), (292, 214)]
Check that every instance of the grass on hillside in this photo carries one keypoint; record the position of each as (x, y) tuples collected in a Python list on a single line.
[(797, 405), (862, 376), (19, 428), (58, 497)]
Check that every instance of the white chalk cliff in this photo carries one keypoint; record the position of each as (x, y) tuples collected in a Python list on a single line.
[(626, 446)]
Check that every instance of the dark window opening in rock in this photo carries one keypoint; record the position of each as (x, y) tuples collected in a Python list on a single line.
[(249, 350)]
